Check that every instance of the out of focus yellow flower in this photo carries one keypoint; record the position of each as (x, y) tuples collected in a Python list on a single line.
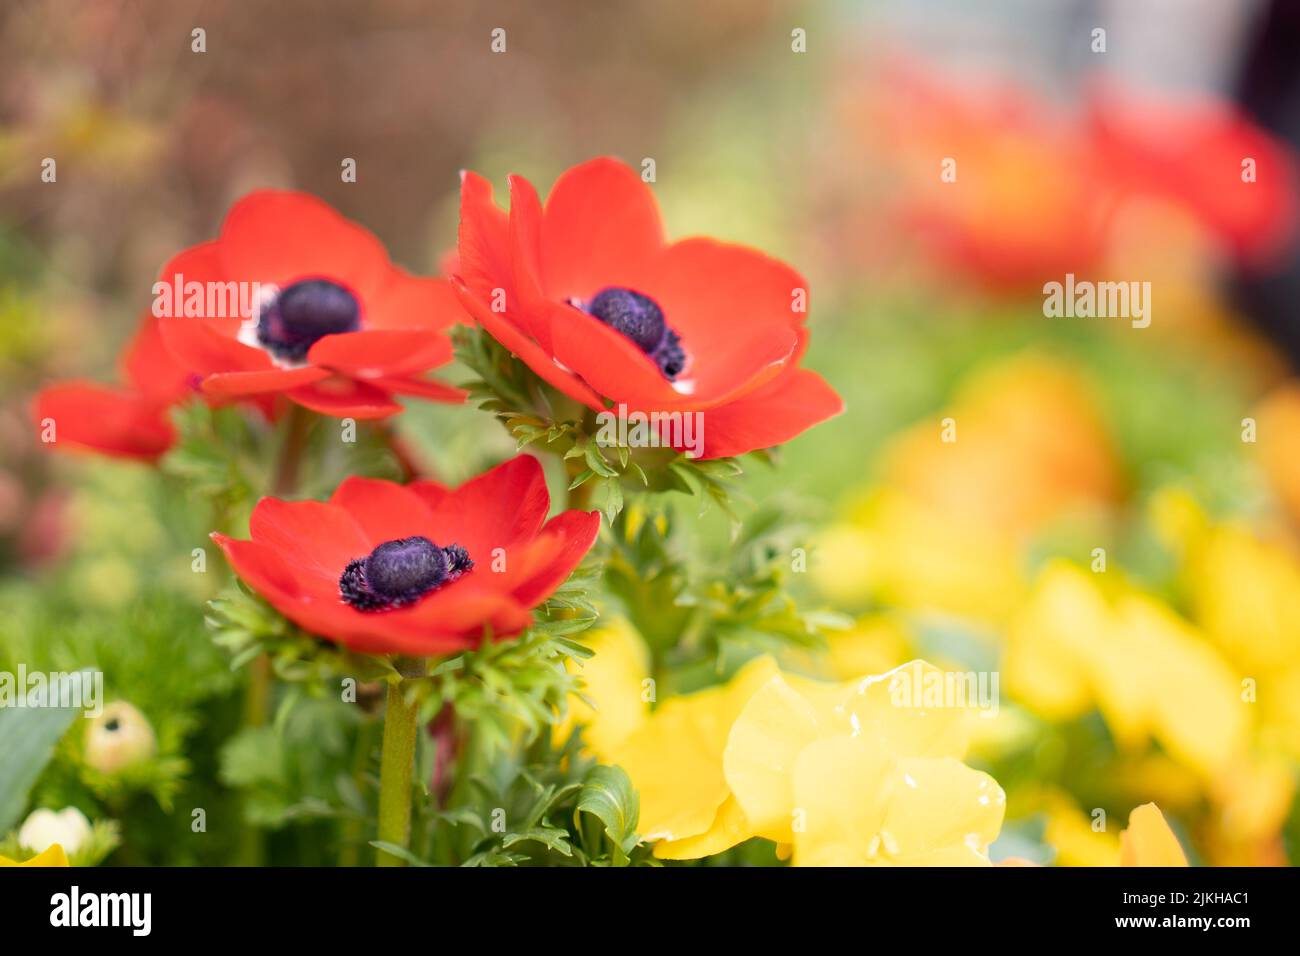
[(1148, 841), (614, 687), (1277, 422), (1027, 445), (54, 856), (752, 758), (1245, 593), (1074, 837), (1152, 675), (959, 495)]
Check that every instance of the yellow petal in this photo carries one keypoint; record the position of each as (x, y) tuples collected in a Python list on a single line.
[(840, 786), (764, 743), (1190, 694), (729, 828), (675, 758), (1070, 832), (942, 813), (613, 681), (54, 856), (1148, 841), (916, 710), (1052, 640)]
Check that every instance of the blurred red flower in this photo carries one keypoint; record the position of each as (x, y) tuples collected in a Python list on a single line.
[(587, 292), (335, 326), (1032, 190), (127, 421), (363, 568)]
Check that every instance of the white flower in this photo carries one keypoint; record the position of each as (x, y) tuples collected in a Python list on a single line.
[(43, 828)]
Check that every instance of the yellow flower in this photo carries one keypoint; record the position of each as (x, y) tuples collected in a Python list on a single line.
[(862, 806), (957, 503), (1277, 423), (1148, 841), (1072, 834), (1028, 446), (1150, 673), (675, 762), (613, 679), (54, 856), (718, 767)]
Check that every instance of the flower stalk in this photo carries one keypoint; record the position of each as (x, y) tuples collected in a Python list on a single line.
[(396, 770)]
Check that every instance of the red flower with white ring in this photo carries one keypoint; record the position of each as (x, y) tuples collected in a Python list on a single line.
[(333, 325), (414, 569), (588, 293)]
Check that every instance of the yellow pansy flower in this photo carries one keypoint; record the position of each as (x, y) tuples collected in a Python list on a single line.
[(613, 685), (1150, 673), (1148, 841), (675, 761), (53, 856), (720, 766), (863, 806)]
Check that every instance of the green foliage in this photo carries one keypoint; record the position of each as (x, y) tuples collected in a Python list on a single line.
[(537, 415), (27, 739), (540, 805), (701, 613), (299, 767)]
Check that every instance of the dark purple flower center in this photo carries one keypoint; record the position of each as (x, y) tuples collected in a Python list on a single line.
[(401, 572), (639, 317), (304, 312)]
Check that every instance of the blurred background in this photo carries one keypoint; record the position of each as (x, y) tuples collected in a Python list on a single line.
[(929, 165)]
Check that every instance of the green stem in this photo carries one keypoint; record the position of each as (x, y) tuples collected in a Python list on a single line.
[(257, 696), (396, 767), (296, 426)]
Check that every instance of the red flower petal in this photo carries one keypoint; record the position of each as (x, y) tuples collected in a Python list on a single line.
[(734, 309), (378, 353), (498, 509), (240, 384), (205, 349), (525, 253), (484, 239), (607, 360), (410, 302), (554, 554), (199, 264), (504, 331), (780, 410), (601, 227), (114, 421), (152, 369), (317, 539), (384, 510), (279, 237), (423, 388), (345, 398)]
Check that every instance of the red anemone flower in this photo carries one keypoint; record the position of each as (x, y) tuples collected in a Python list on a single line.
[(128, 421), (294, 299), (414, 569), (587, 292)]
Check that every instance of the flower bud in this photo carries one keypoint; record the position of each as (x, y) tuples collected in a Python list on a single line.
[(43, 828), (119, 737)]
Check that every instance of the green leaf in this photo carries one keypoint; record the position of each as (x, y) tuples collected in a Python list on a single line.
[(608, 794), (400, 852), (27, 739)]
